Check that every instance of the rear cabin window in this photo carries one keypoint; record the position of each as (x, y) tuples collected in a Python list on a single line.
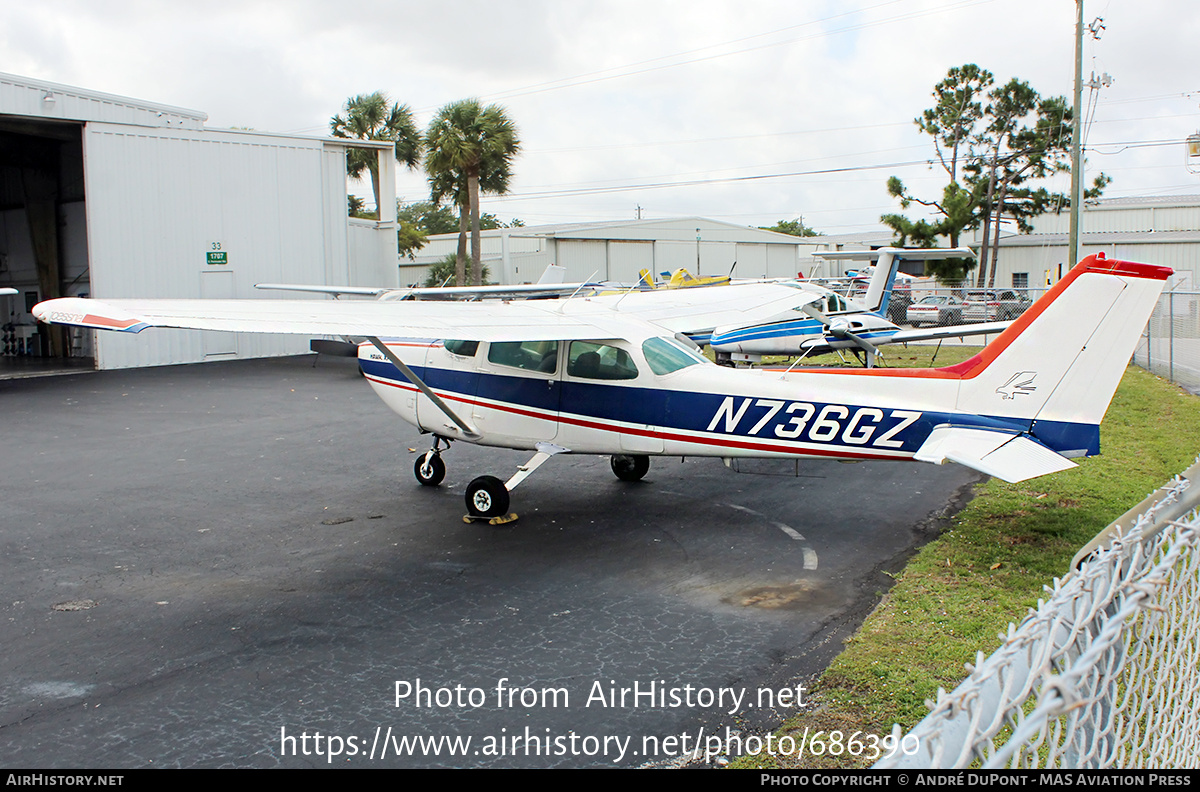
[(588, 360), (464, 348), (539, 356)]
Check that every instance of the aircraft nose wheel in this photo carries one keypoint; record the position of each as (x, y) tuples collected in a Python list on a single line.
[(487, 497), (430, 469), (630, 467)]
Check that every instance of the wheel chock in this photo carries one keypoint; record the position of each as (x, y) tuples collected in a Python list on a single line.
[(504, 520)]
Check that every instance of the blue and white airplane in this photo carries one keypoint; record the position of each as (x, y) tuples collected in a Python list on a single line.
[(576, 376), (832, 322)]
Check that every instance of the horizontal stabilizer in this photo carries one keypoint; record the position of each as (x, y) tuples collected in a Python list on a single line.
[(908, 254), (362, 291), (1005, 455), (949, 331)]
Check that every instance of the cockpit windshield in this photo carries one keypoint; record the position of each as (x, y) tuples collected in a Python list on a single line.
[(665, 355)]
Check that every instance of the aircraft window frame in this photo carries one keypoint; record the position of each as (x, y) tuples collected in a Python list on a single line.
[(611, 362), (666, 355), (461, 348), (538, 357)]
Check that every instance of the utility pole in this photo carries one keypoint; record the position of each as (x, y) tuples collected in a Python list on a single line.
[(1076, 134)]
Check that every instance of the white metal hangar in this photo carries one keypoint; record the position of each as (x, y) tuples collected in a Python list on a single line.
[(618, 250), (114, 197), (1154, 229)]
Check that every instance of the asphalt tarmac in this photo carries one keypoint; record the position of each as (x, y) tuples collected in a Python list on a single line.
[(211, 565)]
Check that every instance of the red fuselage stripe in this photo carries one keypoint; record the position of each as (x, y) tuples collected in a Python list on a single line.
[(706, 441)]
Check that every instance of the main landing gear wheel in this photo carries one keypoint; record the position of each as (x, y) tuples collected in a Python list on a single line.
[(487, 497), (630, 467), (430, 469)]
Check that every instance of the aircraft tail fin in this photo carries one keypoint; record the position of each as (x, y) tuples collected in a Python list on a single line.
[(879, 289), (1059, 363), (553, 274)]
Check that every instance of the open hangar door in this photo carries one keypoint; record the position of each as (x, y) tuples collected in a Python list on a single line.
[(43, 241)]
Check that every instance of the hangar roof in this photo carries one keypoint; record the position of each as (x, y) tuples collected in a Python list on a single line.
[(41, 99), (48, 101)]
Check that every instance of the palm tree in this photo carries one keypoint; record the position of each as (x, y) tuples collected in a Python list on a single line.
[(369, 117), (470, 146)]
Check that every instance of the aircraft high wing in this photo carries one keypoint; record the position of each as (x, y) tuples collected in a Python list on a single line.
[(576, 376), (835, 323)]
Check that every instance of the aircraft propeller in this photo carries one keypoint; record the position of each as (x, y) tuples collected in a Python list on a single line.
[(840, 329)]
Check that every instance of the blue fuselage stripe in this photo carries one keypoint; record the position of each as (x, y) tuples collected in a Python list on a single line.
[(698, 414)]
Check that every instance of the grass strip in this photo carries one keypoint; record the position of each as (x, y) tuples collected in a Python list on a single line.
[(988, 568)]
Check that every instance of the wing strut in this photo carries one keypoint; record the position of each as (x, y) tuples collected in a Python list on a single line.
[(412, 377)]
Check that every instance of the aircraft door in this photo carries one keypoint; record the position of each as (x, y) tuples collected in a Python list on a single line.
[(604, 409), (517, 396), (451, 369)]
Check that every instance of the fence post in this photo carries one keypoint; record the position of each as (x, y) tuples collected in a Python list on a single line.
[(1171, 343), (1150, 342)]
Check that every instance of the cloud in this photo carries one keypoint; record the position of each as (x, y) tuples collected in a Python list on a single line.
[(654, 92)]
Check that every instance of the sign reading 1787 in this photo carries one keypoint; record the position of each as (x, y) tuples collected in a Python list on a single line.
[(216, 255)]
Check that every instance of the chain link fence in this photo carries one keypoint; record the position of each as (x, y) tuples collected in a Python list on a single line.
[(1103, 673), (1170, 346), (929, 303)]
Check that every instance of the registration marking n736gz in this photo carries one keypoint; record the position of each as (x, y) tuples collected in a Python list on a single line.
[(796, 419)]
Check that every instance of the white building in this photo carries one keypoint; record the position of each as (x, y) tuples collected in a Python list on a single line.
[(1156, 230), (114, 197), (617, 251)]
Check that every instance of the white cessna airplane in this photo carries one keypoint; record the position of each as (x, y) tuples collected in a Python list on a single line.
[(575, 376)]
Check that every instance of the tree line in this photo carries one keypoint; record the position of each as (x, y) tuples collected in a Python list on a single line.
[(994, 142), (467, 149)]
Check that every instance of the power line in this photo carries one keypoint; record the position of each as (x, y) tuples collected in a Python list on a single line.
[(697, 182), (603, 75), (724, 139), (553, 85)]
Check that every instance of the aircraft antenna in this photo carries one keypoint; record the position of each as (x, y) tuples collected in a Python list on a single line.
[(577, 290), (622, 297), (795, 363)]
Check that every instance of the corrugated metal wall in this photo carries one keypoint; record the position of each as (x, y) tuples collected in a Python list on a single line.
[(583, 259), (159, 201), (1123, 218), (1042, 262)]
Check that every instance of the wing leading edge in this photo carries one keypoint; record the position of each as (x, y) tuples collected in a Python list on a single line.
[(492, 321)]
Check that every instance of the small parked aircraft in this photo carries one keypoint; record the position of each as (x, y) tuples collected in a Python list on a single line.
[(575, 376), (834, 323)]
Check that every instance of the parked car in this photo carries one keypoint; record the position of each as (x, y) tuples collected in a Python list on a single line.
[(898, 305), (936, 309), (994, 305)]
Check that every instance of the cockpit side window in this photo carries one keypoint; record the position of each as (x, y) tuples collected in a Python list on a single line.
[(590, 360)]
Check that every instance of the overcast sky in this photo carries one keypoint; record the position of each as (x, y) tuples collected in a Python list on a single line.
[(610, 95)]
